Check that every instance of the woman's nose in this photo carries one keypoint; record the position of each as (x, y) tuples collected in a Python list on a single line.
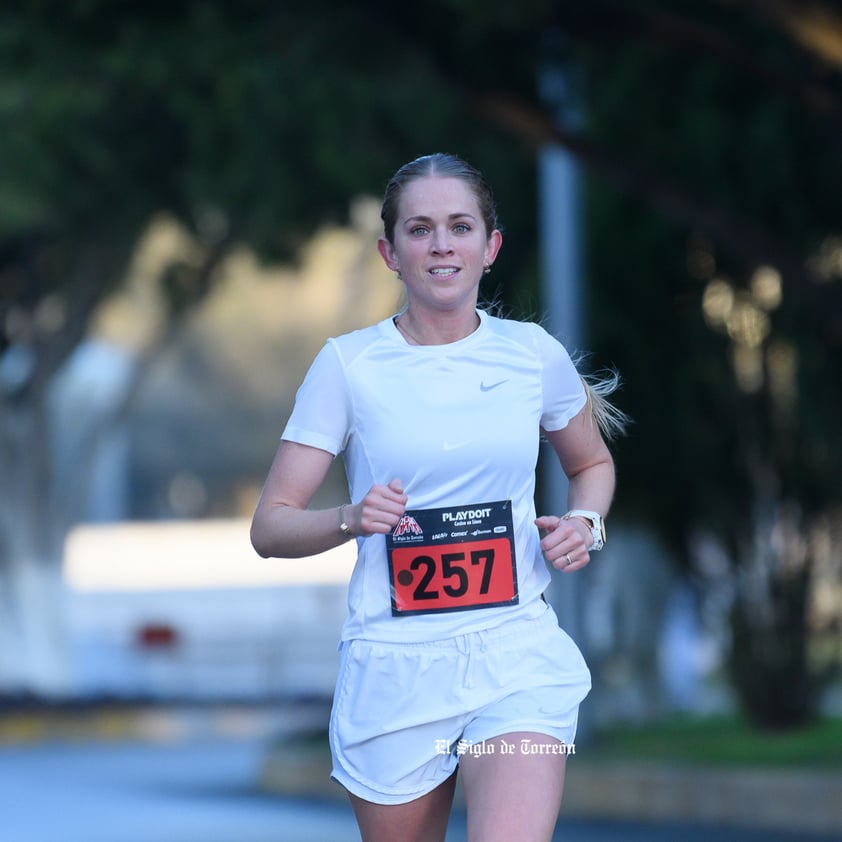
[(441, 242)]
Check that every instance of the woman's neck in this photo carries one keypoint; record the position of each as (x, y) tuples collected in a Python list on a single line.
[(439, 329)]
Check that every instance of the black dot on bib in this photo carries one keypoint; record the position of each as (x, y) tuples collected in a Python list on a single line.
[(404, 577)]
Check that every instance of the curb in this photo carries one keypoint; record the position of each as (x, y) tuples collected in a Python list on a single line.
[(159, 723), (772, 799)]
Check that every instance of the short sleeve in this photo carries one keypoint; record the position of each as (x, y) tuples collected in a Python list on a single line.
[(563, 390), (322, 413)]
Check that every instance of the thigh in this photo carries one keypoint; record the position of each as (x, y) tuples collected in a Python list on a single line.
[(513, 787), (422, 820)]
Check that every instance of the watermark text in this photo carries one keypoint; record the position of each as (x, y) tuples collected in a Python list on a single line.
[(525, 746)]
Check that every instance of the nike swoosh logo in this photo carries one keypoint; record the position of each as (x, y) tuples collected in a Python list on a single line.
[(454, 446), (484, 388)]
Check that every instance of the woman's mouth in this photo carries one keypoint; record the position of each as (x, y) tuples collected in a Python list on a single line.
[(444, 271)]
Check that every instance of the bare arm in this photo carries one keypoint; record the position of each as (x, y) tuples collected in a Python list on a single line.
[(283, 526), (589, 467)]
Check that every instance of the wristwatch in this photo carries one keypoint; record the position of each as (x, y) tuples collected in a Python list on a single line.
[(595, 523)]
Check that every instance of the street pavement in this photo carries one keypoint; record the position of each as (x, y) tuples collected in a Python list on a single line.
[(201, 787)]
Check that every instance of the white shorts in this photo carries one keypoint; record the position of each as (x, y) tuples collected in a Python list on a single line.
[(404, 713)]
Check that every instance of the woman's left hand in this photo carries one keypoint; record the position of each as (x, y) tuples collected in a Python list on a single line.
[(565, 542)]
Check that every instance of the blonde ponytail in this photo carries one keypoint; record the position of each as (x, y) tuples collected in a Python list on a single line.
[(612, 422)]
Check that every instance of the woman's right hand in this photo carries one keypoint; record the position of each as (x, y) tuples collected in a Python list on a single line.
[(379, 511)]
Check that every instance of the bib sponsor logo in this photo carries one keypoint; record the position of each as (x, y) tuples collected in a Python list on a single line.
[(407, 525), (466, 514)]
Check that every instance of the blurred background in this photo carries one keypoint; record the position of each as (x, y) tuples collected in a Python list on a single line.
[(189, 206)]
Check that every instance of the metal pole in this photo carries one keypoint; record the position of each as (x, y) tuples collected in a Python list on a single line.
[(563, 305)]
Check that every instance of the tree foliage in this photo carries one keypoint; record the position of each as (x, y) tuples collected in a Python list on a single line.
[(721, 302)]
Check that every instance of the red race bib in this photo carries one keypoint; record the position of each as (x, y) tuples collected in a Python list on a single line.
[(453, 559)]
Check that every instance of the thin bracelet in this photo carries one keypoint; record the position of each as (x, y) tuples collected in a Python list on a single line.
[(343, 526)]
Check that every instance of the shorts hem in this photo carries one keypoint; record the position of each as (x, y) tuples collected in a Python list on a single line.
[(376, 796)]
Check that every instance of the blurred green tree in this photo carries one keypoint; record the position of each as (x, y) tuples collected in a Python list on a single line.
[(718, 290), (711, 135)]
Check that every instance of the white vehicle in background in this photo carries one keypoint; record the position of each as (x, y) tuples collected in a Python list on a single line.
[(188, 610)]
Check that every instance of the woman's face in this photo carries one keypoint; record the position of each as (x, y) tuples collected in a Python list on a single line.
[(440, 243)]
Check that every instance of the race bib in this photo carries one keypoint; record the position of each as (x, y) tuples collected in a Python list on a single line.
[(452, 559)]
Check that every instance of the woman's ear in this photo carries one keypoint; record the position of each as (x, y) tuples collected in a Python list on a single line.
[(492, 248), (388, 254)]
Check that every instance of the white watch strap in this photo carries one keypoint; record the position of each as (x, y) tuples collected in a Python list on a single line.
[(596, 524)]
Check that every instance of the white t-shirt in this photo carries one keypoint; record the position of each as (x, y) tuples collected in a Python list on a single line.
[(459, 424)]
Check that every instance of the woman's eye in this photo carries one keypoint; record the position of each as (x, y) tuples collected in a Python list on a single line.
[(461, 228), (418, 231)]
